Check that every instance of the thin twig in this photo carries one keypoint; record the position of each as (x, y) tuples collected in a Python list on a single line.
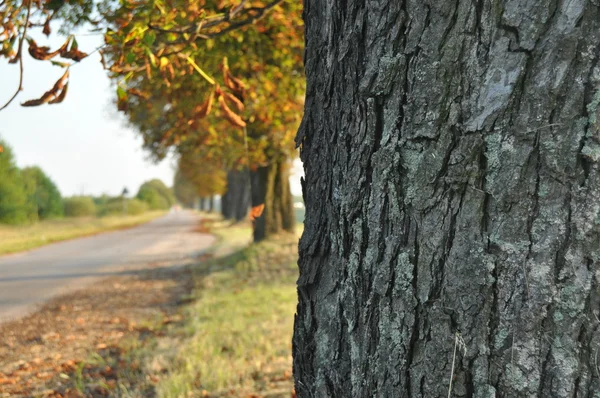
[(250, 20), (20, 55), (452, 369)]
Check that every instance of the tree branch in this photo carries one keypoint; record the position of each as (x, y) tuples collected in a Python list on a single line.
[(20, 55), (237, 11), (260, 13)]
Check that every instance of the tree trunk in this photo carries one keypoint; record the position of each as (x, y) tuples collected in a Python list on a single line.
[(203, 204), (211, 203), (452, 232), (236, 200), (271, 186), (226, 206)]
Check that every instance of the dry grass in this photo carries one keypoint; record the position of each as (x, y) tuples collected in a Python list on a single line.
[(236, 335), (20, 238)]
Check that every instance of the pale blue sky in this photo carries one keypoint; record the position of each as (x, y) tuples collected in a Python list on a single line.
[(83, 144)]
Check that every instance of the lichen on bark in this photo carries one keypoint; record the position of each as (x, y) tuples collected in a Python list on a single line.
[(452, 187)]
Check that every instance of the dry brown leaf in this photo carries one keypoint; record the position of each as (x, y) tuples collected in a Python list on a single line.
[(43, 53), (204, 108), (75, 55), (239, 105), (46, 30), (230, 115), (60, 98), (55, 95), (234, 84), (171, 71), (138, 93), (256, 211)]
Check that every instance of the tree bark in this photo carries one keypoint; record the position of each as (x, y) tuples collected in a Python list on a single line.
[(236, 200), (226, 206), (452, 230), (211, 203), (271, 187)]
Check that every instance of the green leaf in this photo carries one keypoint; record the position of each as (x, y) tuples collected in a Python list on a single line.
[(61, 64), (160, 7), (149, 38), (74, 44), (130, 58), (121, 93)]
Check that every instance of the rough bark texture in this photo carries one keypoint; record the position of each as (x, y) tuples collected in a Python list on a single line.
[(452, 189), (236, 200), (271, 186)]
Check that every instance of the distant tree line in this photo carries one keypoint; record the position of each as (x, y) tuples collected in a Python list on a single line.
[(28, 195)]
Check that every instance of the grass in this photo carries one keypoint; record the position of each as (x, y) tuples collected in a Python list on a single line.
[(233, 336), (236, 337), (230, 336), (21, 238)]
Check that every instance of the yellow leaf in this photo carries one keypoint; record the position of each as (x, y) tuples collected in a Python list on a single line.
[(202, 73)]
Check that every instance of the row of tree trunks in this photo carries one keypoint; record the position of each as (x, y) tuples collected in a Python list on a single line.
[(236, 200), (271, 187), (452, 232), (207, 204)]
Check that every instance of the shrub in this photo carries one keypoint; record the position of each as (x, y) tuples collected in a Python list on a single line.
[(136, 206), (79, 206), (156, 194), (114, 207)]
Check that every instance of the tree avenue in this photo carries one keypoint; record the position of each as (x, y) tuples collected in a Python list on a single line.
[(452, 239), (248, 122), (171, 64)]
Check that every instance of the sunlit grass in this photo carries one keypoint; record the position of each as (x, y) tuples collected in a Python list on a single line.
[(231, 338), (19, 238), (237, 334)]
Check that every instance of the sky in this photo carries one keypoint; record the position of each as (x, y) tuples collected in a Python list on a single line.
[(84, 143)]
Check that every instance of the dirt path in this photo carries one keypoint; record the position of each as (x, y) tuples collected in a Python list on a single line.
[(47, 353), (31, 278)]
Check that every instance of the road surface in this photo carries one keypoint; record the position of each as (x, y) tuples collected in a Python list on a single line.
[(31, 278)]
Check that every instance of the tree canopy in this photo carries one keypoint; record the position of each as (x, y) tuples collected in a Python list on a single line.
[(43, 193), (14, 205), (196, 178), (222, 75), (156, 194)]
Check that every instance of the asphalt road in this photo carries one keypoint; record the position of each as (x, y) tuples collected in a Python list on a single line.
[(31, 278)]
